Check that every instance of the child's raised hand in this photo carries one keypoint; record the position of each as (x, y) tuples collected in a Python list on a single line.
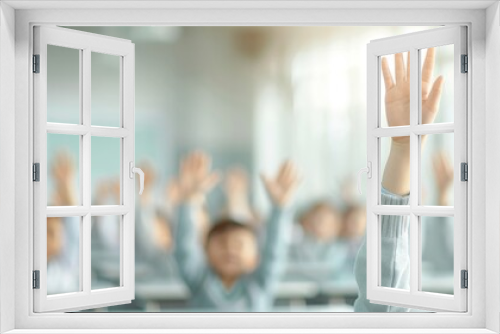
[(397, 96), (282, 187), (397, 105), (63, 171), (196, 178), (63, 168), (443, 172)]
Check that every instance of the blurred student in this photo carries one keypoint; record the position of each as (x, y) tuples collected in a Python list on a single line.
[(153, 233), (438, 235), (227, 273), (200, 214), (395, 262), (317, 251), (63, 234), (353, 229)]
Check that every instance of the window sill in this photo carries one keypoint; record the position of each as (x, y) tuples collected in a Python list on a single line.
[(251, 331)]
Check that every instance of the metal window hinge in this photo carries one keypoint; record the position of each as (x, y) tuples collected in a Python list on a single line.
[(465, 64), (465, 279), (464, 171), (36, 279), (36, 172), (36, 63)]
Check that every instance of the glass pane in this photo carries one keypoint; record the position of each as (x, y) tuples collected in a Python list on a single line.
[(437, 254), (63, 255), (106, 157), (105, 90), (63, 169), (437, 169), (394, 90), (395, 170), (392, 228), (105, 252), (441, 108), (63, 85)]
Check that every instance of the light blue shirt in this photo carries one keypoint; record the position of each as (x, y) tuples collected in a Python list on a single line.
[(395, 263)]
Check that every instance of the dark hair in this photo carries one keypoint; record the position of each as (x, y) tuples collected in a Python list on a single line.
[(227, 225)]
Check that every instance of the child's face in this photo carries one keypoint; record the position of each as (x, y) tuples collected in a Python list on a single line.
[(54, 237), (322, 222), (233, 253)]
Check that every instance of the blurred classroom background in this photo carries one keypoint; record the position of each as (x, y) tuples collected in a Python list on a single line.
[(250, 97)]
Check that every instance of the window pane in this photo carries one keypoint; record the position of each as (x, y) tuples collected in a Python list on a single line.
[(443, 66), (437, 169), (63, 255), (106, 157), (395, 152), (105, 90), (394, 90), (437, 254), (63, 85), (391, 229), (106, 252), (63, 170)]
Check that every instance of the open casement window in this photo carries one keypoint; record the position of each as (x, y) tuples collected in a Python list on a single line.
[(448, 128), (76, 137)]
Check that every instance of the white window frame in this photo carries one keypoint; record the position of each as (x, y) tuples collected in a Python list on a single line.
[(483, 312), (413, 43), (86, 44)]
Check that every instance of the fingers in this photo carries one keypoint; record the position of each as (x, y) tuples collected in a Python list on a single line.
[(290, 175), (210, 181), (408, 67), (387, 74), (428, 68), (435, 94), (400, 68)]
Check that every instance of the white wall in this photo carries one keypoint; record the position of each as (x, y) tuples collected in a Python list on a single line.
[(492, 164), (7, 117)]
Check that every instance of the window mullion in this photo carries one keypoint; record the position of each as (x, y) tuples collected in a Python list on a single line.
[(85, 251), (414, 167)]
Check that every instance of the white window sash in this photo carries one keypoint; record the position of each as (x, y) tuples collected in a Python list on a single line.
[(414, 298), (86, 43)]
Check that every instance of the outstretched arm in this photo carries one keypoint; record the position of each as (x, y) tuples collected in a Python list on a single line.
[(195, 180), (280, 189)]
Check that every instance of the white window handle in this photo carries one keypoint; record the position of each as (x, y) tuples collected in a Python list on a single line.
[(133, 170), (368, 171)]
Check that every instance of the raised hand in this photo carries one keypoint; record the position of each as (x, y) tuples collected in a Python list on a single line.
[(397, 92), (196, 178), (173, 193), (397, 105), (63, 168), (443, 172), (282, 187), (63, 171)]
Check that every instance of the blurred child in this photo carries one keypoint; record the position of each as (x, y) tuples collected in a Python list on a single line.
[(317, 252), (63, 270), (227, 273), (437, 252), (353, 229), (153, 233), (395, 262)]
